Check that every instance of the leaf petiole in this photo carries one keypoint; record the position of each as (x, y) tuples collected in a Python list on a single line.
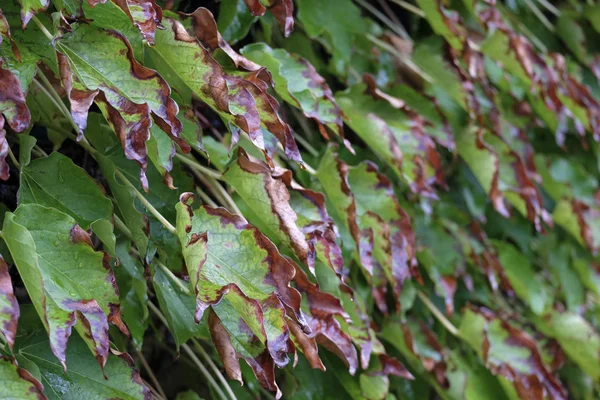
[(438, 315)]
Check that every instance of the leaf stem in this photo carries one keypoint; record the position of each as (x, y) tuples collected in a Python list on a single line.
[(191, 354), (214, 368), (397, 28), (58, 101), (148, 370), (13, 158), (205, 197), (43, 28), (146, 203), (173, 278), (201, 168), (120, 225), (438, 315), (406, 60), (409, 7)]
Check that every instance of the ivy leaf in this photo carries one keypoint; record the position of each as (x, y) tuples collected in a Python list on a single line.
[(67, 280), (99, 58), (9, 308), (122, 379), (576, 336), (240, 99), (234, 20), (31, 7), (397, 135), (510, 353), (299, 84), (18, 382), (13, 110), (145, 14), (282, 10), (56, 182), (275, 199)]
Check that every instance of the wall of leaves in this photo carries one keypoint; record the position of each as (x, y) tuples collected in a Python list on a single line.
[(318, 199)]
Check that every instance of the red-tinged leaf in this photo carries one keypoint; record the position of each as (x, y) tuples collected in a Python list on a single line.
[(257, 333), (98, 58), (13, 110), (307, 345), (67, 280), (322, 313), (222, 342), (299, 84), (18, 383), (276, 199), (145, 14), (240, 98), (206, 31), (9, 308), (511, 353), (391, 366), (5, 33)]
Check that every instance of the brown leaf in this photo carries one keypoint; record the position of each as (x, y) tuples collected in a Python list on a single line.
[(307, 345), (9, 315), (222, 342)]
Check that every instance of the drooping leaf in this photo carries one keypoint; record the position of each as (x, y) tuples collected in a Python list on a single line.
[(83, 375), (140, 96), (145, 14), (9, 308), (67, 280), (18, 383), (510, 353), (299, 84), (13, 111)]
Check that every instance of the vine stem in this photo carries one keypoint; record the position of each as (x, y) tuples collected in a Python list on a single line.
[(13, 158), (201, 168), (43, 28), (153, 378), (213, 366), (438, 315), (146, 203), (397, 28), (409, 7), (173, 278), (191, 354)]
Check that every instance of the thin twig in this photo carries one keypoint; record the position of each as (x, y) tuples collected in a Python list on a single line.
[(191, 354), (406, 60), (397, 28), (205, 198), (120, 225), (151, 374), (173, 278), (214, 368), (43, 28), (540, 15), (550, 7), (58, 101), (13, 158), (438, 315), (389, 12), (409, 7), (201, 168)]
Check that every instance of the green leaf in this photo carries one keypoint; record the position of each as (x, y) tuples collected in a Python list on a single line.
[(299, 84), (67, 280), (120, 380), (30, 8), (56, 182), (234, 20), (18, 383), (579, 340)]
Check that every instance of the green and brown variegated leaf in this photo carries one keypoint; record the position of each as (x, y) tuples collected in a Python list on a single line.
[(9, 308), (18, 383), (70, 284)]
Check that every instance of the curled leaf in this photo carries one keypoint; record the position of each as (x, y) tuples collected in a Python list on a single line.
[(282, 10)]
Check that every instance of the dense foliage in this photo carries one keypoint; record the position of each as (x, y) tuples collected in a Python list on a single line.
[(320, 199)]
